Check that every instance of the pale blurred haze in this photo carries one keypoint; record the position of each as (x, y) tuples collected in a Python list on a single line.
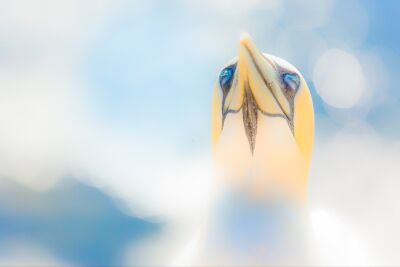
[(105, 119)]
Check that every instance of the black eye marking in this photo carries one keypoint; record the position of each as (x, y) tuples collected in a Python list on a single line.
[(226, 78), (291, 82)]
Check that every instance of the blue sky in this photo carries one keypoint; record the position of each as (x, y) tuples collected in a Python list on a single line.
[(153, 63)]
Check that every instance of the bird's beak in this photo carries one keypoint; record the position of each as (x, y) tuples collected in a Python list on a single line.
[(256, 89)]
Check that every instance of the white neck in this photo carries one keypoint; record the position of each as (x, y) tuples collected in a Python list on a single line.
[(245, 230)]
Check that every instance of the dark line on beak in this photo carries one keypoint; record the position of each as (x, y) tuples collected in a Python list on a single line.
[(289, 118), (250, 117)]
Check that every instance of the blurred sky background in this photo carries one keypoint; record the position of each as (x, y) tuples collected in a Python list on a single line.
[(105, 117)]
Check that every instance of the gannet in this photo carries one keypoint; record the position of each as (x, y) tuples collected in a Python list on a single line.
[(262, 139), (263, 135)]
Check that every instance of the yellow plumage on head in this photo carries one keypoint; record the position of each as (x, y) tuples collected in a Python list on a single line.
[(263, 124)]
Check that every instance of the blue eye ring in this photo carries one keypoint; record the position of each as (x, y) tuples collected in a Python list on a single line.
[(226, 78), (291, 81)]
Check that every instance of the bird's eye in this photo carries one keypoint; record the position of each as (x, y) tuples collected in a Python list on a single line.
[(291, 81), (226, 78)]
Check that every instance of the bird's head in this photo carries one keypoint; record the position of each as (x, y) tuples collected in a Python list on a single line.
[(263, 123)]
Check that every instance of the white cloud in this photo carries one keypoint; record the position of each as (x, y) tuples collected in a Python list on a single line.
[(355, 176), (151, 176), (38, 115), (334, 242)]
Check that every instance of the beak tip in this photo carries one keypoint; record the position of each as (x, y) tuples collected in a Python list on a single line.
[(245, 38)]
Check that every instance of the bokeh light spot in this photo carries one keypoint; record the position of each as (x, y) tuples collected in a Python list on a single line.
[(339, 78)]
